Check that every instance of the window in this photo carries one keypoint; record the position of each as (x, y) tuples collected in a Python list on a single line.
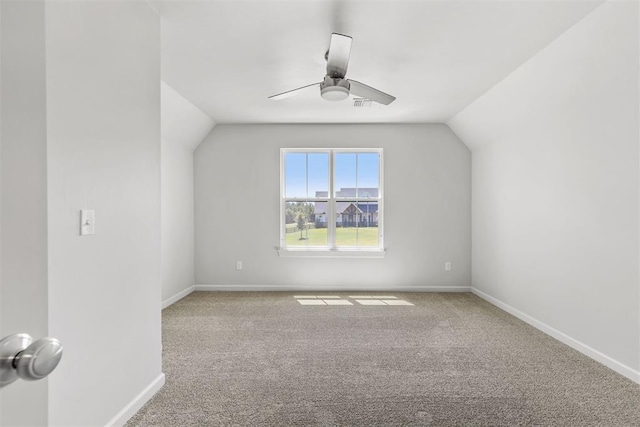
[(331, 201)]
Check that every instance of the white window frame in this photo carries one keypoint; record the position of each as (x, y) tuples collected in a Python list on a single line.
[(331, 250)]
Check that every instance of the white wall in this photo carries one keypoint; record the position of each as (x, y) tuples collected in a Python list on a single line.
[(555, 187), (183, 128), (426, 176), (24, 196), (103, 114)]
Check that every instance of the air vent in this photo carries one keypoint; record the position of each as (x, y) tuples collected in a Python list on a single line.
[(362, 103)]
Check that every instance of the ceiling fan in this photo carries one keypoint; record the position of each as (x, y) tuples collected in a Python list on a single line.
[(335, 87)]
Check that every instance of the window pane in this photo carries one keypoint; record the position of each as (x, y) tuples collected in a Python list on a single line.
[(356, 224), (320, 213), (368, 212), (357, 175), (345, 174), (318, 176), (302, 219), (367, 233), (368, 175), (295, 175)]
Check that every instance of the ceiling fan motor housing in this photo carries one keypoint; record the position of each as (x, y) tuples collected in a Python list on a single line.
[(334, 89)]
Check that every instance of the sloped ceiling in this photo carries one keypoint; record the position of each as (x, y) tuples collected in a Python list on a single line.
[(436, 57), (183, 124)]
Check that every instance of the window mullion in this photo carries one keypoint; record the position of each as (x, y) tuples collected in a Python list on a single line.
[(380, 202), (306, 167), (357, 199), (331, 206)]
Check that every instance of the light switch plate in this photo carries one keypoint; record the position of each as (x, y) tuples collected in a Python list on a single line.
[(87, 222)]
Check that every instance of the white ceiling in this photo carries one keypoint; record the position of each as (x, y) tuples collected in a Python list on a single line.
[(436, 57)]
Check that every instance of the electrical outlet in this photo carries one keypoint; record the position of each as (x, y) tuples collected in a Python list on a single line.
[(238, 265), (447, 266)]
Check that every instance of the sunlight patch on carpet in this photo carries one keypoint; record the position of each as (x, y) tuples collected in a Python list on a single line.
[(360, 299)]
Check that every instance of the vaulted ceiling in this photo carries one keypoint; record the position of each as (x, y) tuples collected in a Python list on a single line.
[(436, 57)]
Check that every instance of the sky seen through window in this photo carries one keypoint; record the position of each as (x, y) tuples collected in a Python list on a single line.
[(307, 173)]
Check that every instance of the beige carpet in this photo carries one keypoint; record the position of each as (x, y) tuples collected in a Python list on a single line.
[(262, 359)]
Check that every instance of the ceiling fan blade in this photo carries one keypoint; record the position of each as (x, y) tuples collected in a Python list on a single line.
[(338, 57), (292, 92), (364, 91)]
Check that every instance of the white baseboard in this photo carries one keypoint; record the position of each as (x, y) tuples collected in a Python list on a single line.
[(177, 297), (607, 361), (334, 288), (138, 402)]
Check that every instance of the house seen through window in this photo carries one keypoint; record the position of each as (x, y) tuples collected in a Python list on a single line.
[(331, 199)]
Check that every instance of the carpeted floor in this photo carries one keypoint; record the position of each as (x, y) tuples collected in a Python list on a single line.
[(262, 359)]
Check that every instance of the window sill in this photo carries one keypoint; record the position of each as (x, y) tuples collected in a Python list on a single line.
[(331, 253)]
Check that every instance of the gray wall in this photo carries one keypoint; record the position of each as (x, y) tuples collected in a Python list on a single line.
[(183, 128), (81, 129), (103, 111), (427, 208), (177, 221), (555, 187)]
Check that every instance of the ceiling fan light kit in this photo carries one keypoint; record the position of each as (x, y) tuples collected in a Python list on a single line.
[(335, 87)]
